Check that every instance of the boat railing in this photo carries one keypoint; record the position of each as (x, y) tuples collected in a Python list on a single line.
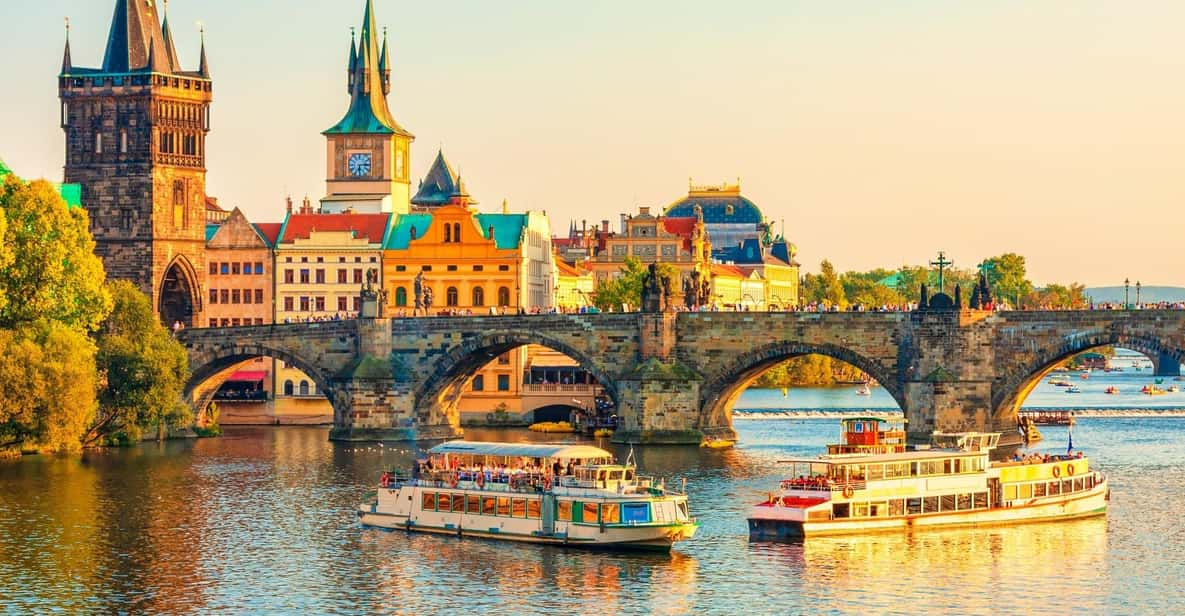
[(823, 485)]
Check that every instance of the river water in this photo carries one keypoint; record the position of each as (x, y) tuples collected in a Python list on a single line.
[(261, 521)]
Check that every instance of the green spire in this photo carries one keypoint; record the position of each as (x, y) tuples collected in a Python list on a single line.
[(368, 111), (383, 67)]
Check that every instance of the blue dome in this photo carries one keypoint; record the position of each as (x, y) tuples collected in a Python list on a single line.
[(718, 209)]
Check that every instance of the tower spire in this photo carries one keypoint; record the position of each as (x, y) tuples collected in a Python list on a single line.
[(135, 30), (368, 111), (170, 47), (66, 64), (203, 66), (384, 68), (353, 62)]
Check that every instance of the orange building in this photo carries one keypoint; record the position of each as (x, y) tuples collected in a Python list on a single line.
[(239, 256)]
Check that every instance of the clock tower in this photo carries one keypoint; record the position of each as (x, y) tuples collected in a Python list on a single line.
[(367, 151)]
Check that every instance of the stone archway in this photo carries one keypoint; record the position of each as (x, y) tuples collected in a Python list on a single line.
[(179, 298), (211, 370), (1012, 387), (719, 393)]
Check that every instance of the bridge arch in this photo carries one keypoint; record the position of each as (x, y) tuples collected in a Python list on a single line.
[(1014, 385), (443, 386), (209, 369), (720, 392)]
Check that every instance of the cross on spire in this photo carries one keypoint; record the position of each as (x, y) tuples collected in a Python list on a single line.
[(942, 263)]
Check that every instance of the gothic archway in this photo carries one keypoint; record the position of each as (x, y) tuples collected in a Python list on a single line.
[(179, 299)]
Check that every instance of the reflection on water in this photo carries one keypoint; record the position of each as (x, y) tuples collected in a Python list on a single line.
[(262, 520)]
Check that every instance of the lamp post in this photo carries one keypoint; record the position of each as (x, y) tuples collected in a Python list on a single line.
[(1137, 294), (1126, 297)]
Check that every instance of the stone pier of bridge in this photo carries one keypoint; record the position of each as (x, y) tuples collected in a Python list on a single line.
[(676, 376)]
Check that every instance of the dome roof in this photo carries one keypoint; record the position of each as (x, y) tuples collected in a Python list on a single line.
[(719, 204)]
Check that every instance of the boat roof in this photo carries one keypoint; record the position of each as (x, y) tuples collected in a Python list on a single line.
[(865, 458), (528, 450)]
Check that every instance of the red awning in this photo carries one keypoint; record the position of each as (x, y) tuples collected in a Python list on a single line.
[(248, 376)]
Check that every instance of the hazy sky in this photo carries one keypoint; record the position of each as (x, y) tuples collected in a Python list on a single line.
[(879, 131)]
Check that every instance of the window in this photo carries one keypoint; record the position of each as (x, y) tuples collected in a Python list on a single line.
[(247, 296), (451, 296), (503, 268), (473, 507), (288, 304), (304, 388), (213, 268), (457, 232), (400, 296), (357, 276), (428, 502), (258, 296), (452, 268), (448, 234), (258, 267), (341, 276), (247, 269), (563, 511), (99, 144), (374, 259), (341, 304), (224, 268), (320, 304), (213, 296), (320, 259), (610, 513), (459, 503), (503, 506), (503, 296), (504, 359), (357, 304), (234, 322), (289, 277), (304, 276), (488, 505), (224, 296), (503, 382), (479, 296), (425, 268), (401, 268), (288, 387), (479, 383), (518, 507), (320, 279), (235, 296), (589, 513), (234, 269), (478, 268), (304, 303)]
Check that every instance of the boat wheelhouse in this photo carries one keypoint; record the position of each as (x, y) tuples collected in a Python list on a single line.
[(953, 484), (868, 435), (567, 494)]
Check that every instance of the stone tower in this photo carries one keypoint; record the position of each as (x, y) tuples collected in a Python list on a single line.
[(367, 162), (136, 141)]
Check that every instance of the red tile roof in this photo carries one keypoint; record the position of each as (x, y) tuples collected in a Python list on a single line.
[(682, 226), (720, 269), (373, 227), (567, 269), (270, 231)]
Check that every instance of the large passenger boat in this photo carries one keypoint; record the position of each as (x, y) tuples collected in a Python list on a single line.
[(559, 494), (952, 484)]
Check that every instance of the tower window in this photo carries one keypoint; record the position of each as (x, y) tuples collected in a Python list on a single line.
[(123, 141), (98, 143)]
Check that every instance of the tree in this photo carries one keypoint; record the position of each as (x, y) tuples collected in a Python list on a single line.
[(1006, 277), (142, 368), (48, 397), (48, 268), (5, 259), (626, 288), (825, 287)]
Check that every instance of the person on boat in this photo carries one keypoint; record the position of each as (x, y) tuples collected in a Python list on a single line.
[(571, 470), (557, 468)]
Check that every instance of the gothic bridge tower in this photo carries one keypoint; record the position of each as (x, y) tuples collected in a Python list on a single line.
[(136, 141)]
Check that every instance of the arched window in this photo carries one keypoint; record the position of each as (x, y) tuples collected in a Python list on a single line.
[(448, 234), (288, 388), (400, 296), (304, 388), (450, 296), (457, 232), (503, 296), (479, 296)]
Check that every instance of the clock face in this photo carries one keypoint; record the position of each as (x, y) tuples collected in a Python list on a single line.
[(359, 164)]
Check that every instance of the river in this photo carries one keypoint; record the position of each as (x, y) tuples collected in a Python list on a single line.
[(261, 521)]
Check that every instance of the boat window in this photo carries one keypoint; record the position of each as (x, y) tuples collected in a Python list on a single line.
[(503, 506), (487, 505), (931, 467), (474, 506), (518, 508), (1089, 481), (601, 475), (948, 502), (533, 508), (615, 475), (1055, 488), (896, 507), (1039, 489), (443, 502), (930, 504), (900, 469), (629, 474), (635, 513), (610, 513), (564, 511), (964, 501), (949, 466), (840, 510), (859, 510), (1009, 492), (589, 515), (913, 506), (459, 503), (1078, 484), (981, 500), (429, 501), (876, 471), (1067, 486)]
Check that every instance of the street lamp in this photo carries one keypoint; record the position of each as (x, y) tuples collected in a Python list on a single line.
[(1126, 298), (1137, 294)]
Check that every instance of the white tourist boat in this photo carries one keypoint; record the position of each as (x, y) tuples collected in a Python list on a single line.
[(538, 493), (954, 485)]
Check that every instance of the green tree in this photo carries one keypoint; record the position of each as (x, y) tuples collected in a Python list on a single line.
[(50, 270), (5, 259), (626, 288), (142, 368), (824, 287), (48, 394), (1006, 277)]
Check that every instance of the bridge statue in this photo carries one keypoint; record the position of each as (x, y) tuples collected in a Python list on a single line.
[(419, 292), (656, 291)]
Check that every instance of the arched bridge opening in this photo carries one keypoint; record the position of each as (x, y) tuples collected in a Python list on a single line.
[(232, 374)]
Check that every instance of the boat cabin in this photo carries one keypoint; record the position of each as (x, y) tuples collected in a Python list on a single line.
[(868, 435)]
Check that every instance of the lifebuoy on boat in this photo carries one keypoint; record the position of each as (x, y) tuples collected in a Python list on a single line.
[(481, 480), (452, 480), (848, 491), (1057, 471), (1070, 469), (385, 480)]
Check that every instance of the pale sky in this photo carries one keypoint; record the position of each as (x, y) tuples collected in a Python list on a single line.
[(879, 131)]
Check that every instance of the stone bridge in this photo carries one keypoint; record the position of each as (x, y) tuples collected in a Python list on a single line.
[(675, 376)]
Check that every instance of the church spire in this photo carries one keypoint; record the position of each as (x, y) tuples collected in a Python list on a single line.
[(384, 68), (66, 64), (368, 111), (170, 47), (203, 66), (353, 67), (135, 32)]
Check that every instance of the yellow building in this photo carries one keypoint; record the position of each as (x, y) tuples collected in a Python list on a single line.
[(574, 286), (680, 241)]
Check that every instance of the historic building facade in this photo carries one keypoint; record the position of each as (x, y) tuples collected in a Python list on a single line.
[(136, 141), (682, 241), (239, 258)]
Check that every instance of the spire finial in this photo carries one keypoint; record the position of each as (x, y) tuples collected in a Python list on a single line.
[(203, 66), (66, 64)]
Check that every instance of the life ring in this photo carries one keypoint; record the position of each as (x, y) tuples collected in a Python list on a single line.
[(1057, 472), (848, 491), (385, 480), (1070, 469), (480, 481), (547, 483), (452, 480)]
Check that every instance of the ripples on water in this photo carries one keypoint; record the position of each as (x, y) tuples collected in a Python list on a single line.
[(261, 521)]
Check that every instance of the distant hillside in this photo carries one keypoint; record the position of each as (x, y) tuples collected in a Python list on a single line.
[(1148, 294)]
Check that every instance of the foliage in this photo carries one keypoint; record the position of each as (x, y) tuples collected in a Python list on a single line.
[(626, 287), (143, 371), (211, 428), (1006, 277), (48, 269), (809, 371), (1056, 296), (48, 397), (824, 288)]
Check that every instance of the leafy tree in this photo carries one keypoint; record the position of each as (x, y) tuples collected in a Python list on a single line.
[(1006, 277), (809, 371), (626, 288), (50, 270), (48, 397), (1059, 297), (143, 371), (824, 287), (5, 259)]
